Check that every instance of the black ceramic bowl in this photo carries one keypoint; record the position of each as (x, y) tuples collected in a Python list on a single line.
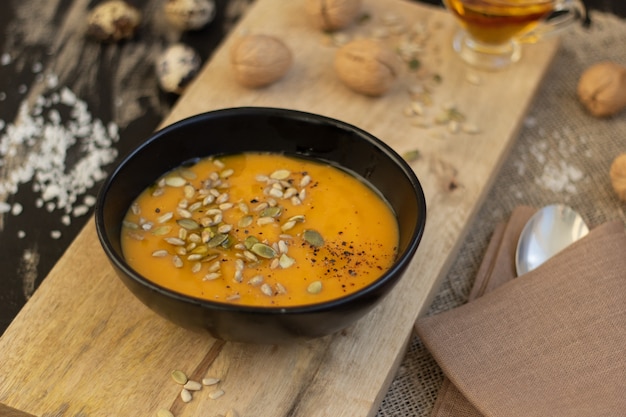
[(267, 130)]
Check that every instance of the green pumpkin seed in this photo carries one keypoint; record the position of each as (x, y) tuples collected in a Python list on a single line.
[(245, 221), (286, 261), (263, 250), (315, 287), (161, 230), (271, 211), (250, 241), (188, 224), (217, 240), (313, 238)]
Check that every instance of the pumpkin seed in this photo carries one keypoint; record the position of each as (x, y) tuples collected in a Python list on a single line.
[(285, 261), (250, 241), (263, 250), (245, 221), (161, 230), (179, 377), (315, 287), (313, 238), (271, 212), (188, 224), (217, 240)]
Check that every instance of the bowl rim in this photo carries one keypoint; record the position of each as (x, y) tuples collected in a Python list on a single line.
[(401, 262)]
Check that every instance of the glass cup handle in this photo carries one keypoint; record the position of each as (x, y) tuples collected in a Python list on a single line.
[(566, 13)]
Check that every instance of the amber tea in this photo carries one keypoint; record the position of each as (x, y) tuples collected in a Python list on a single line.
[(497, 22)]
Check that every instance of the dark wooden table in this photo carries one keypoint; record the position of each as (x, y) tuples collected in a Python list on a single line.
[(69, 108)]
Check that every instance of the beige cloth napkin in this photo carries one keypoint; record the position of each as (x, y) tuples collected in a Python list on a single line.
[(551, 343)]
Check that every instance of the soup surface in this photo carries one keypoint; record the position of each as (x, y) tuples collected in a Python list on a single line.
[(260, 229)]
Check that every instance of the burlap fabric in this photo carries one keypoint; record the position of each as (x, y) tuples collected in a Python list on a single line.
[(562, 155)]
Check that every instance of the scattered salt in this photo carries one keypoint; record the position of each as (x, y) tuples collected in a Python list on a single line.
[(17, 209), (59, 149), (21, 234), (37, 67), (5, 59), (55, 234)]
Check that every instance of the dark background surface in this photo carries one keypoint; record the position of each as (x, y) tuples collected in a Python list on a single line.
[(100, 77)]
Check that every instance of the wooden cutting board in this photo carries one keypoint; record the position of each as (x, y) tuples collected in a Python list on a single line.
[(83, 345)]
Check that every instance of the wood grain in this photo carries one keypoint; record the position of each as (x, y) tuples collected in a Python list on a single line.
[(84, 346)]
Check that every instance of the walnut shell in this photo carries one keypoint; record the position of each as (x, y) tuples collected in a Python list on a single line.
[(602, 88), (618, 176), (260, 60), (367, 66), (333, 14), (189, 14), (113, 21)]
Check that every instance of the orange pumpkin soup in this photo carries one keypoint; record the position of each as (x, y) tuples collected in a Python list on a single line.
[(260, 229)]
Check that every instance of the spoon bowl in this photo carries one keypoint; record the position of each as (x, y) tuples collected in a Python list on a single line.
[(548, 231)]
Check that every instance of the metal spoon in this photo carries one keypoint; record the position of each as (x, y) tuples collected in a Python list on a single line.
[(548, 231)]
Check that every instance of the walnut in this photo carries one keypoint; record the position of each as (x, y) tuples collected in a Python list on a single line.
[(113, 21), (259, 60), (176, 67), (367, 66), (618, 176), (333, 14), (189, 14), (602, 88)]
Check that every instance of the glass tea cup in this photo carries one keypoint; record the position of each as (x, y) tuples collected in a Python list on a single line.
[(492, 30)]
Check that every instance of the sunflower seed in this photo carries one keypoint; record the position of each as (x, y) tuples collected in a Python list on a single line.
[(159, 253), (192, 385), (256, 280), (280, 174), (164, 413), (267, 290), (262, 221), (178, 263), (280, 288), (135, 209), (288, 225), (211, 276), (175, 181), (185, 395), (189, 191), (306, 180), (165, 217), (217, 393), (210, 381), (175, 241)]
